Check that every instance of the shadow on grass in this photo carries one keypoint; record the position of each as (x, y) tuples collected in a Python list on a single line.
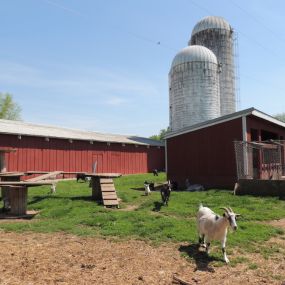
[(201, 258), (138, 189), (157, 206), (37, 199)]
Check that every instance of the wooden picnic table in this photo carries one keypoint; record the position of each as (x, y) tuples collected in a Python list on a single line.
[(15, 192)]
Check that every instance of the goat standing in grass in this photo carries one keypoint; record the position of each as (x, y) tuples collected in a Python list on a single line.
[(213, 227), (148, 186), (165, 193)]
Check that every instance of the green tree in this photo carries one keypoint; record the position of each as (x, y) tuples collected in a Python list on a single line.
[(160, 136), (280, 117), (9, 109)]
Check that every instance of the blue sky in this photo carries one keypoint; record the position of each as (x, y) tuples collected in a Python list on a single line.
[(103, 65)]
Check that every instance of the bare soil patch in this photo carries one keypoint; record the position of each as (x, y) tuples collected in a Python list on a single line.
[(33, 258), (278, 223)]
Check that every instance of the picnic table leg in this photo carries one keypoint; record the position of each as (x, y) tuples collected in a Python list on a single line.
[(96, 188), (18, 200), (5, 192)]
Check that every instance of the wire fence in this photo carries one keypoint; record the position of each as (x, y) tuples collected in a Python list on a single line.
[(260, 160)]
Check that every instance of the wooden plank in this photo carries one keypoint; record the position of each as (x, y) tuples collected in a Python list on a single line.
[(104, 175), (110, 202), (44, 176), (10, 174), (30, 172), (110, 197), (106, 181), (26, 183), (107, 186), (108, 189)]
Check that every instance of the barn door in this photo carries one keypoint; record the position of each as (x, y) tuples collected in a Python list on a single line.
[(97, 159)]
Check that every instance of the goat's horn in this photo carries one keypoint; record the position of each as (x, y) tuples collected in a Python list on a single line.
[(226, 209), (231, 209)]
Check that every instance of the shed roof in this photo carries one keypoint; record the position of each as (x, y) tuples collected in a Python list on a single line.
[(229, 117), (29, 129)]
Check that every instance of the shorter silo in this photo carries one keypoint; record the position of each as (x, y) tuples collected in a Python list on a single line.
[(193, 87)]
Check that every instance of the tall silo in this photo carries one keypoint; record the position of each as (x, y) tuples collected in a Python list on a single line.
[(216, 34), (193, 87)]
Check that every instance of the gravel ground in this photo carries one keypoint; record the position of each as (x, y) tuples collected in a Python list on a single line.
[(33, 258)]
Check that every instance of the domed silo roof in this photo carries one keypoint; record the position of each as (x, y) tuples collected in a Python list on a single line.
[(193, 87), (211, 22), (194, 53)]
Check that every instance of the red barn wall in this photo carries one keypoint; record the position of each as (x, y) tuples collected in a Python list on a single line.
[(34, 153), (205, 156)]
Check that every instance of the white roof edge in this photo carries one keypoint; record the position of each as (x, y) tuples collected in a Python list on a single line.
[(233, 116), (268, 118)]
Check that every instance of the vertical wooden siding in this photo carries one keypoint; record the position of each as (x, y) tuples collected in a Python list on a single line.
[(205, 156), (34, 153)]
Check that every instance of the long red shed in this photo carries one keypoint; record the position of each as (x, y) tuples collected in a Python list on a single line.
[(49, 148), (204, 153)]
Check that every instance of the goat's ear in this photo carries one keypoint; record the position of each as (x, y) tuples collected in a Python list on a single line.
[(238, 215)]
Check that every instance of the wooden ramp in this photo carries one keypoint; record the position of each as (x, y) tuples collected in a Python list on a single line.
[(109, 194)]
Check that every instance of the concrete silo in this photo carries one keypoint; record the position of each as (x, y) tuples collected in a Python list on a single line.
[(216, 34), (193, 87)]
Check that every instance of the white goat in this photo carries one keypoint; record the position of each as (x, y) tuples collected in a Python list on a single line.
[(52, 188), (213, 227), (147, 189)]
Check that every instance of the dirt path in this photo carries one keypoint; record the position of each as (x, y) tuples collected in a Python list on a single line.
[(278, 223), (31, 258)]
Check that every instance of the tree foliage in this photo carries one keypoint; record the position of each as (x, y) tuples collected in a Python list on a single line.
[(160, 136), (280, 117), (9, 109)]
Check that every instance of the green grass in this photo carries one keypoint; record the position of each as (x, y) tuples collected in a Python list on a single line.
[(71, 210)]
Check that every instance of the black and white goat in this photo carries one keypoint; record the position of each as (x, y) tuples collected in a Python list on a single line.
[(165, 192), (148, 187), (213, 227), (81, 176)]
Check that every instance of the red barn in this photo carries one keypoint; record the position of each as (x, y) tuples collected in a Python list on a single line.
[(47, 148), (204, 153)]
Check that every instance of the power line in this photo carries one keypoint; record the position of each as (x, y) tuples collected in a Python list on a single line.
[(249, 38), (134, 35), (257, 20)]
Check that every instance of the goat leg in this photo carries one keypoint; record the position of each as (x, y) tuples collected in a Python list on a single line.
[(208, 247), (224, 251), (202, 241)]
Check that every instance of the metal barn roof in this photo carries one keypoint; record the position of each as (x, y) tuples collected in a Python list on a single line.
[(28, 129), (229, 117)]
